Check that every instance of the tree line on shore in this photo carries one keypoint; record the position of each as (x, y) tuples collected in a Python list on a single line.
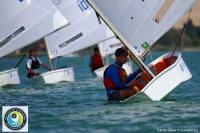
[(189, 39)]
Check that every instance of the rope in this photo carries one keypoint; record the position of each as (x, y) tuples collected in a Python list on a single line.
[(20, 61), (179, 40), (151, 57)]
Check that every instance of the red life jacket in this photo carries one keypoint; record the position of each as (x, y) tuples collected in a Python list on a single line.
[(108, 83), (97, 62)]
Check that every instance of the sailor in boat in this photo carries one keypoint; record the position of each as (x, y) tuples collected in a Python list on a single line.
[(117, 84), (34, 63), (96, 61)]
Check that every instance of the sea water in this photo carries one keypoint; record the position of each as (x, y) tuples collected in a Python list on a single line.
[(82, 106)]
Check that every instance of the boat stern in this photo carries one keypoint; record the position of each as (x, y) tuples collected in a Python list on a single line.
[(168, 79)]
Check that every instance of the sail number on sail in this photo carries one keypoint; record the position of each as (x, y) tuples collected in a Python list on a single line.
[(83, 5)]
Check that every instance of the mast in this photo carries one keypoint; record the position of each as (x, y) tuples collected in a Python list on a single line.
[(133, 56), (49, 59)]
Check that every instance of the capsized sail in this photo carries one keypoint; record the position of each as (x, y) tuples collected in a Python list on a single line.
[(139, 21), (85, 30), (24, 22)]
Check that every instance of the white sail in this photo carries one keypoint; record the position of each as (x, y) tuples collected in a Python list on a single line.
[(84, 30), (109, 47), (73, 10), (128, 17), (136, 20), (24, 22)]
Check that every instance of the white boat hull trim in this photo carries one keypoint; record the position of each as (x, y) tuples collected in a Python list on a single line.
[(60, 75), (128, 67), (167, 80), (9, 77)]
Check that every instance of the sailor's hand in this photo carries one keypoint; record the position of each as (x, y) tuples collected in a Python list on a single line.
[(46, 67), (34, 73), (131, 84), (135, 88)]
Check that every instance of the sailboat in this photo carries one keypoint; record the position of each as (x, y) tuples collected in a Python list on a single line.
[(22, 23), (139, 24), (107, 48), (55, 75), (85, 30)]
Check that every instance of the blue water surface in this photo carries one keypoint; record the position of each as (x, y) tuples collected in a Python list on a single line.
[(82, 106)]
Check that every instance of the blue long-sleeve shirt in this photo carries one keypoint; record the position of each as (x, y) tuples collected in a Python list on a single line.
[(113, 73)]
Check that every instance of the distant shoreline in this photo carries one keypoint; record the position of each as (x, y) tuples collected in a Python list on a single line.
[(186, 49), (156, 49)]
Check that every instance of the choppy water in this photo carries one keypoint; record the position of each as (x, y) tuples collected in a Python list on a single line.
[(82, 107)]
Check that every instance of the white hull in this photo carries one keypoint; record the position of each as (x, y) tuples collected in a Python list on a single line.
[(99, 72), (167, 80), (9, 77), (59, 75)]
